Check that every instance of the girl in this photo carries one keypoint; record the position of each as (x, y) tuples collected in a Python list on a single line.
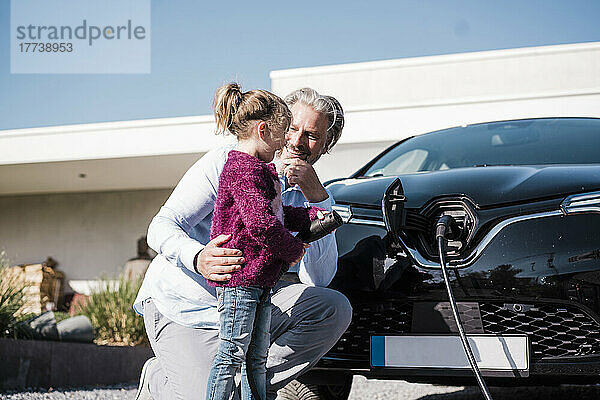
[(249, 207)]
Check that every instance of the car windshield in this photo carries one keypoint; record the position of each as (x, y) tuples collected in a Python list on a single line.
[(520, 142)]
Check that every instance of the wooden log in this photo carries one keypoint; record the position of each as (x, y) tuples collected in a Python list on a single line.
[(43, 285)]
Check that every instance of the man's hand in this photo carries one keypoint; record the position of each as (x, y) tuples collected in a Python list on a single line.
[(299, 172), (216, 263)]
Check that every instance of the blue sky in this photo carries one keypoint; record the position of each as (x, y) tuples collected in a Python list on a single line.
[(198, 46)]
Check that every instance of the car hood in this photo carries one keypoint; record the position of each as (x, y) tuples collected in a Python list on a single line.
[(485, 186)]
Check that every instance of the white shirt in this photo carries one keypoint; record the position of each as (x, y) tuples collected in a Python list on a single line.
[(182, 228)]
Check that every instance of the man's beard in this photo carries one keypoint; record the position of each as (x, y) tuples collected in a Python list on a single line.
[(298, 152)]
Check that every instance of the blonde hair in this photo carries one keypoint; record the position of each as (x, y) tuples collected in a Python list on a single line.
[(236, 110)]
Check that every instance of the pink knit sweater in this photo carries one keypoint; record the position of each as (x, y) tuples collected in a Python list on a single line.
[(249, 207)]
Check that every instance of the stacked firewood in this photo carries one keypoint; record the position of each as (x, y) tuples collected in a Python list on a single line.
[(43, 285)]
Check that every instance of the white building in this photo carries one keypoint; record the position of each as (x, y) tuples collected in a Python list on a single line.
[(84, 194)]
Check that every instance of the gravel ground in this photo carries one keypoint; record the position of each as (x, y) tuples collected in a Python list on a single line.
[(361, 389), (400, 390), (117, 392)]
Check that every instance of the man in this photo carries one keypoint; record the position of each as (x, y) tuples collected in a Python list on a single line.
[(180, 309), (137, 266)]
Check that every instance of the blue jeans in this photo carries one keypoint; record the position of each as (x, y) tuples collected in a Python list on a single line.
[(245, 319)]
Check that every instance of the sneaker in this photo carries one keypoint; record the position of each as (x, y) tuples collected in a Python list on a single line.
[(143, 392)]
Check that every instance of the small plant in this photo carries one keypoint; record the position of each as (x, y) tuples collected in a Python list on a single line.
[(112, 315), (61, 315), (12, 298)]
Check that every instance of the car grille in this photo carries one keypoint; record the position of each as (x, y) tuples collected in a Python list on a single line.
[(375, 319), (554, 330)]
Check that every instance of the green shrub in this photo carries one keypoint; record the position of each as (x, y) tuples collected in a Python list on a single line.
[(12, 298), (110, 309), (61, 315)]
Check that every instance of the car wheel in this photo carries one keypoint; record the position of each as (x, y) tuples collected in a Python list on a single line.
[(305, 391)]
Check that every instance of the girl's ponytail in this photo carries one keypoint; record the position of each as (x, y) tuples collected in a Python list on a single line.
[(236, 111), (227, 102)]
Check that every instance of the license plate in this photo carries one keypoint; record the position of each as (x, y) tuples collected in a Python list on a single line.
[(492, 352)]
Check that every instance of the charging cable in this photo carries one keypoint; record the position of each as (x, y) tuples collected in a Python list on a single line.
[(447, 228)]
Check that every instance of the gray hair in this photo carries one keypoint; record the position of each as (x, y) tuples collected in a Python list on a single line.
[(327, 105)]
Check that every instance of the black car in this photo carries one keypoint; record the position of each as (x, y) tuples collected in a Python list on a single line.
[(525, 266)]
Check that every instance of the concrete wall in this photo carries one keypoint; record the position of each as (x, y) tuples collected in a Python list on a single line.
[(399, 123), (89, 234), (345, 159)]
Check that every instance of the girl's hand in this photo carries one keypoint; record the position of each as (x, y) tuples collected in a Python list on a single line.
[(322, 214)]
